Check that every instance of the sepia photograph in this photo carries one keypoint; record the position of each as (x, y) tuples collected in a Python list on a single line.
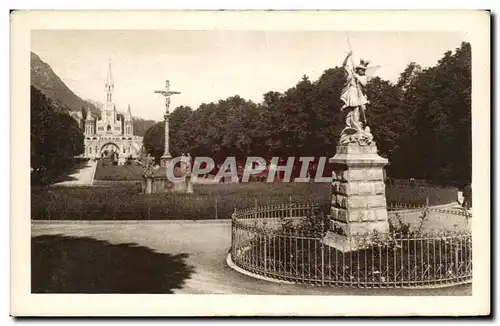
[(252, 161)]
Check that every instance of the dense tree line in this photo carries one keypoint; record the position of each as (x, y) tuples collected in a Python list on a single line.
[(438, 143), (56, 139), (422, 123)]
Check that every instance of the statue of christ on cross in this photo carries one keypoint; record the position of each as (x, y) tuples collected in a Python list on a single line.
[(167, 93)]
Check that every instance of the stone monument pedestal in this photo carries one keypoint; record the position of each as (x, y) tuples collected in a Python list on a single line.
[(158, 182), (161, 184), (189, 185), (358, 203), (165, 160)]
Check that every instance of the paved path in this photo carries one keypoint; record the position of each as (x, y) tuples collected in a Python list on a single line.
[(207, 244), (83, 177)]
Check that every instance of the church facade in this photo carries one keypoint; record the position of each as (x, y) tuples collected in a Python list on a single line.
[(112, 133)]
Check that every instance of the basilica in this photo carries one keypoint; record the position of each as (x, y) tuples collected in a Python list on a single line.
[(111, 134)]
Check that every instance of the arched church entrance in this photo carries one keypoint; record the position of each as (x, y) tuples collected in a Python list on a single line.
[(110, 150)]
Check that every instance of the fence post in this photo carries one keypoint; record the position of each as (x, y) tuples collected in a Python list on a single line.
[(265, 246), (322, 256), (265, 254), (457, 277), (255, 210), (233, 231), (216, 213)]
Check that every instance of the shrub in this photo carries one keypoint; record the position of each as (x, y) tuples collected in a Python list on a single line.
[(123, 201), (129, 160), (109, 170), (420, 195)]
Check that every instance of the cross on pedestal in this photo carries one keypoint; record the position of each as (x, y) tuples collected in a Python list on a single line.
[(167, 93)]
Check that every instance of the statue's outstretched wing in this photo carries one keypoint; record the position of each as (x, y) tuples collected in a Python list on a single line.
[(370, 71)]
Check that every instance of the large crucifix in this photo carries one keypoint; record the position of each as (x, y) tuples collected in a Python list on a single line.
[(167, 93)]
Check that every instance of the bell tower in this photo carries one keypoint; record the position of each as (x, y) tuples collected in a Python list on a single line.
[(89, 123), (110, 85), (128, 125), (109, 110)]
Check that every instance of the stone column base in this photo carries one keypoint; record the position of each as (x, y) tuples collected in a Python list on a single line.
[(358, 203), (189, 185), (161, 184), (178, 186), (165, 160), (340, 242), (147, 185)]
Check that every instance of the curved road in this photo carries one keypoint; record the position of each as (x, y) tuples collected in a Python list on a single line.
[(206, 243)]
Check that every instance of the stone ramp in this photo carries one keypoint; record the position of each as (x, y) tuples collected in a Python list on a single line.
[(83, 177)]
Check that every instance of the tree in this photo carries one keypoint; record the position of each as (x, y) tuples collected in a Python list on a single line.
[(154, 140), (408, 76), (180, 135), (386, 115), (422, 122), (84, 113), (55, 138), (438, 143)]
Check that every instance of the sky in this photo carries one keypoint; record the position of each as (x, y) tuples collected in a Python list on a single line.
[(207, 66)]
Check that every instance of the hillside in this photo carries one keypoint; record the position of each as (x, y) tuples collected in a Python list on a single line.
[(97, 104), (47, 81), (141, 125)]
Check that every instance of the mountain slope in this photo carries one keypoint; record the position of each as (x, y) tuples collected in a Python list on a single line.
[(141, 125), (46, 80), (63, 98), (97, 104)]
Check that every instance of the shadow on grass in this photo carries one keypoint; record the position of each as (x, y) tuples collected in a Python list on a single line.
[(66, 173), (61, 264), (61, 174)]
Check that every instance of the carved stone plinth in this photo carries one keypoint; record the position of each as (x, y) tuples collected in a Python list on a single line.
[(358, 203), (161, 184), (189, 185), (165, 160)]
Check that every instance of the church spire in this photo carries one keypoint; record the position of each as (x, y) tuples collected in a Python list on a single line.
[(128, 116), (109, 84), (89, 115)]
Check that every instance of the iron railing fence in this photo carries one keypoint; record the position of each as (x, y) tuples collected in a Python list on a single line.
[(285, 242)]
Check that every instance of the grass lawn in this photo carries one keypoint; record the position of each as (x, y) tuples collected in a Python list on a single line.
[(105, 170), (123, 202)]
